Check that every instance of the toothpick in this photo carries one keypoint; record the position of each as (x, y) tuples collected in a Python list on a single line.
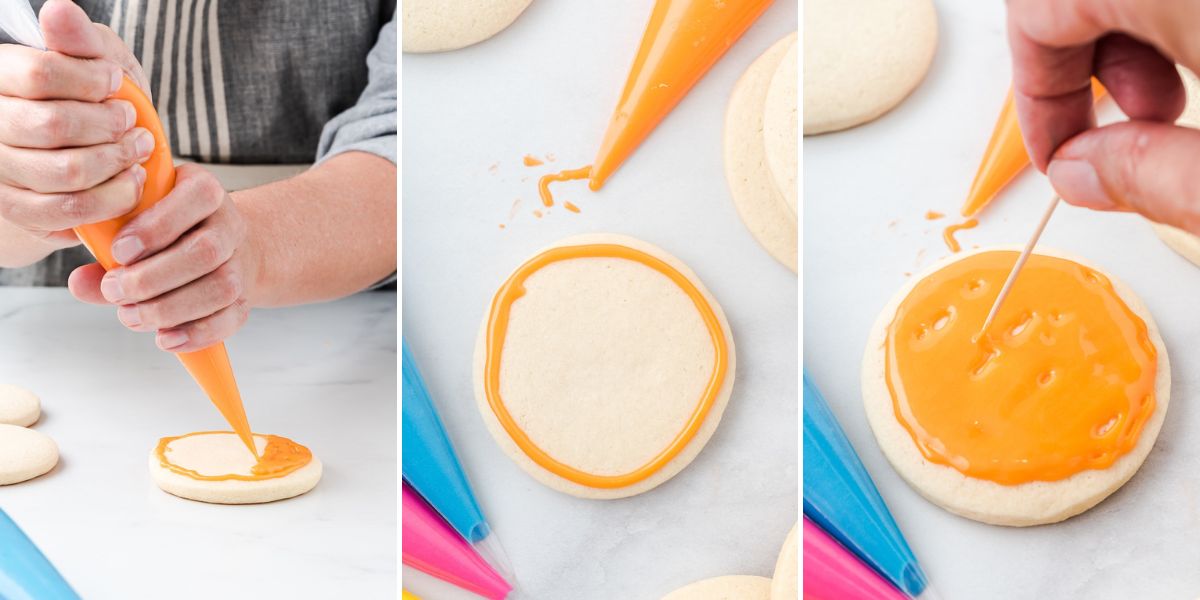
[(1012, 276)]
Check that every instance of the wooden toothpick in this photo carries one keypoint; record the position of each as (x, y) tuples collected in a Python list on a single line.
[(1012, 276)]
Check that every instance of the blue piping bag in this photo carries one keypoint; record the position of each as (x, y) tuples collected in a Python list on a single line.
[(840, 496), (431, 467), (25, 574)]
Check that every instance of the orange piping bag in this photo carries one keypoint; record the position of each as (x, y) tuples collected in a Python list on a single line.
[(683, 40), (210, 366), (1005, 156)]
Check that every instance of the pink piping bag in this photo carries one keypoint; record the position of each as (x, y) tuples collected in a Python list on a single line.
[(432, 546)]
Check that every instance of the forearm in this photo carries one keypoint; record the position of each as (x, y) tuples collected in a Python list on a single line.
[(324, 234)]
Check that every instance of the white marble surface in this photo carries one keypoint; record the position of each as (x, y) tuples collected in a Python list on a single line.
[(548, 85), (324, 375), (1142, 541)]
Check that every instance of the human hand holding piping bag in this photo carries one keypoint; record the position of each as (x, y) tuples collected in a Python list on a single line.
[(1145, 165), (191, 263)]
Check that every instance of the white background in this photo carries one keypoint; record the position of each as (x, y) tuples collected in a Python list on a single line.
[(548, 84), (1140, 543), (323, 375)]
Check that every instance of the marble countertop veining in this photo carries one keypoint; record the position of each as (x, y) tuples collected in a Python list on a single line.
[(866, 191), (324, 375), (547, 85)]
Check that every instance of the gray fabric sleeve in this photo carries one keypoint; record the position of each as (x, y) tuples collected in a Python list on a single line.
[(369, 125)]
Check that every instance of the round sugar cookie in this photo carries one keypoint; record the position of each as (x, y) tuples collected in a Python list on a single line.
[(785, 582), (608, 357), (780, 137), (862, 57), (25, 454), (441, 25), (222, 453), (759, 202), (728, 587), (1182, 242), (1024, 504), (18, 406)]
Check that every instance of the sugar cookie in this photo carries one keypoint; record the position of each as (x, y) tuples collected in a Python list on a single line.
[(785, 582), (780, 137), (25, 454), (758, 200), (729, 587), (611, 364), (441, 25), (18, 406), (222, 455), (862, 57), (1034, 501)]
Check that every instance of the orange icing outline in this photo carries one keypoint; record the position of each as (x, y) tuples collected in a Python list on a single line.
[(269, 460), (497, 328)]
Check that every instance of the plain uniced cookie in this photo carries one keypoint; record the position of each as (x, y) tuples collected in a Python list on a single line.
[(18, 406), (222, 453), (780, 121), (862, 57), (785, 581), (1186, 244), (1024, 504), (757, 198), (604, 362), (25, 454), (441, 25), (729, 587)]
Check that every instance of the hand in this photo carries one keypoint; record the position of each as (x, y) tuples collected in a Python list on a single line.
[(189, 267), (1146, 165), (69, 154)]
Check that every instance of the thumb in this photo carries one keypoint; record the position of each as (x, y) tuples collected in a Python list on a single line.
[(68, 30), (1136, 166)]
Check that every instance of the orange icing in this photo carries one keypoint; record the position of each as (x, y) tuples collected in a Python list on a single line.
[(497, 327), (1063, 382), (682, 41), (280, 457), (1004, 157), (532, 161), (933, 215), (571, 207), (210, 366), (567, 175), (950, 230)]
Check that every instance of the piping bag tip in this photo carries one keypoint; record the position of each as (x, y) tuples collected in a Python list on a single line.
[(493, 552)]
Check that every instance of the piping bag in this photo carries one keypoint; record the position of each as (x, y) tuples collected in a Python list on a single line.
[(25, 574), (833, 573), (1004, 157), (210, 366), (682, 41), (431, 545), (840, 497), (431, 467)]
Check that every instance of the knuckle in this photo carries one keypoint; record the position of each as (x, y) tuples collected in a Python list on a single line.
[(230, 285), (71, 169), (49, 123), (40, 72), (207, 248), (73, 206)]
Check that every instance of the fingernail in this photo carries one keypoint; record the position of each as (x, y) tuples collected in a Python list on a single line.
[(129, 315), (1077, 182), (172, 339), (144, 144), (127, 249), (110, 287), (139, 175), (130, 115), (117, 80)]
